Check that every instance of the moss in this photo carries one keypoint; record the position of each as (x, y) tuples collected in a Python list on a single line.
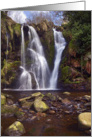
[(65, 72), (11, 109), (8, 71), (3, 99), (17, 29), (16, 129), (19, 114)]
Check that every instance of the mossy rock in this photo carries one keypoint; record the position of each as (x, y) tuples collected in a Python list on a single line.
[(84, 120), (27, 105), (51, 96), (40, 106), (19, 114), (65, 72), (37, 94), (3, 99), (16, 129), (8, 109)]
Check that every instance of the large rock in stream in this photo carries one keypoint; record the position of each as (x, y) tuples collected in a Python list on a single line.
[(16, 129), (39, 105), (84, 121), (3, 99)]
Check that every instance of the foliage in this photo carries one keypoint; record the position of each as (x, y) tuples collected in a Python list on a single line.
[(80, 27), (8, 72)]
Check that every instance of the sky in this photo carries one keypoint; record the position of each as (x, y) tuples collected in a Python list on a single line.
[(22, 16)]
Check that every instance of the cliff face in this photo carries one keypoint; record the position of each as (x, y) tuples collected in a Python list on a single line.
[(75, 68), (10, 49)]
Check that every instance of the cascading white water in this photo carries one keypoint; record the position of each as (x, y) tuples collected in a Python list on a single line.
[(59, 43), (25, 77), (39, 66), (22, 48)]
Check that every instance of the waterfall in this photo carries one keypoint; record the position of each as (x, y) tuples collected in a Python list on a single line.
[(25, 77), (22, 48), (38, 69), (39, 66), (59, 43)]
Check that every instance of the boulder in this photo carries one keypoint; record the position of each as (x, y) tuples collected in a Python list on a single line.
[(16, 129), (8, 109), (39, 105), (3, 99), (36, 94), (52, 97), (27, 105), (84, 121)]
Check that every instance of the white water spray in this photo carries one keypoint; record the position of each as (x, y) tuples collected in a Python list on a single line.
[(59, 43), (25, 77), (39, 66)]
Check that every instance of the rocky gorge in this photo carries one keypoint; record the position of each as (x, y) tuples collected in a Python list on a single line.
[(61, 111), (74, 70)]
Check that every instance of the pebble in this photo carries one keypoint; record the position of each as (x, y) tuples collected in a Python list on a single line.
[(52, 112)]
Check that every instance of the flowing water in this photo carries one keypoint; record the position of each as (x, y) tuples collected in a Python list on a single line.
[(39, 69), (39, 66), (59, 47)]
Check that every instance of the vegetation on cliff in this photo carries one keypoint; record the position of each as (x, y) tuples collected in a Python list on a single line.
[(77, 32)]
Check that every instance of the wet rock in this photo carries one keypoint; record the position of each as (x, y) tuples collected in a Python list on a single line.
[(34, 95), (9, 101), (34, 117), (52, 112), (66, 101), (40, 106), (59, 99), (66, 93), (16, 129), (87, 97), (87, 104), (52, 97), (24, 99), (9, 96), (3, 99), (78, 99), (84, 120), (37, 94), (40, 114), (27, 105), (67, 112), (19, 114), (32, 112), (8, 110)]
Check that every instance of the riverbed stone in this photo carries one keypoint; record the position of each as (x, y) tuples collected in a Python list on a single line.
[(16, 129), (84, 120), (66, 93), (8, 109), (19, 114), (27, 105), (65, 101), (51, 96), (87, 97), (9, 101), (40, 106), (37, 94), (3, 99)]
